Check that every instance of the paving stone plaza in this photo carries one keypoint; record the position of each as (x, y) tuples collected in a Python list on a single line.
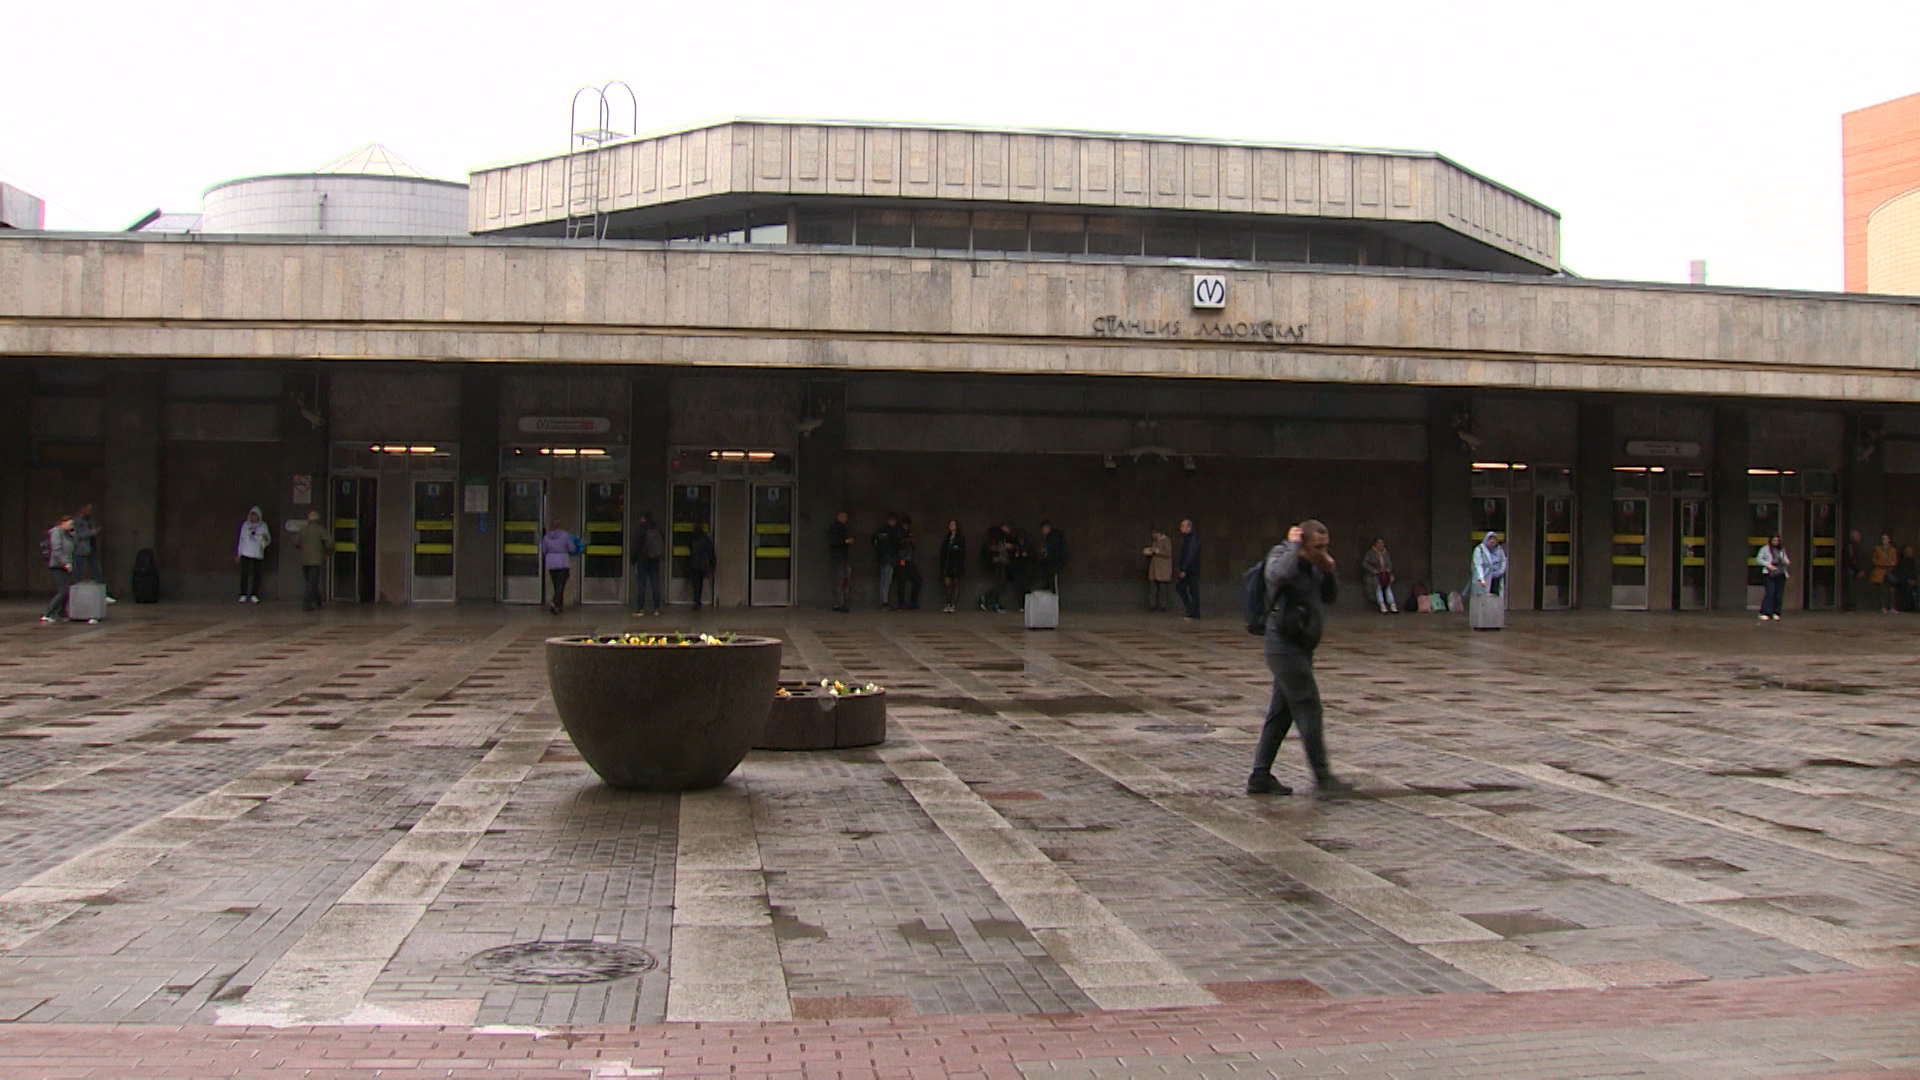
[(251, 842)]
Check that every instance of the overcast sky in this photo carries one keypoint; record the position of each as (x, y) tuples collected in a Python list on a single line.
[(1661, 132)]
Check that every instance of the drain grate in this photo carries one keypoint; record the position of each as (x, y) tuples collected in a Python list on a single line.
[(559, 963)]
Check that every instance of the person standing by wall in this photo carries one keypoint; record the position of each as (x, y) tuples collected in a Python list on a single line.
[(1051, 558), (1300, 583), (996, 557), (557, 547), (953, 566), (840, 561), (702, 560), (1906, 578), (1186, 569), (86, 548), (1487, 600), (1376, 566), (883, 541), (1853, 571), (1159, 553), (650, 547), (906, 571), (313, 543), (1886, 558), (58, 548), (1775, 568), (249, 551)]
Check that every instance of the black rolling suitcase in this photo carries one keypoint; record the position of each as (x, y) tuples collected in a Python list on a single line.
[(146, 578)]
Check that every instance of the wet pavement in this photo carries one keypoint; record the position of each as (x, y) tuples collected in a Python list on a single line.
[(1645, 844)]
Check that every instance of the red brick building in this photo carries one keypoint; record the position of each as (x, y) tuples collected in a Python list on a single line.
[(1880, 161)]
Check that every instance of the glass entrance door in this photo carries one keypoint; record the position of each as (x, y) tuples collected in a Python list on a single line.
[(692, 512), (1630, 554), (1553, 530), (1692, 571), (523, 515), (1823, 571), (434, 507), (603, 574), (771, 582), (1763, 523), (352, 505)]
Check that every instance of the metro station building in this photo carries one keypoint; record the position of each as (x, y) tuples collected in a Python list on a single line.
[(749, 325)]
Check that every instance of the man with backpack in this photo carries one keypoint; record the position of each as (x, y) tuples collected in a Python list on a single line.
[(1286, 598), (649, 548)]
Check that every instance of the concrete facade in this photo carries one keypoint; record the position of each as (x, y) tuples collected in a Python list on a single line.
[(1088, 391), (1059, 169)]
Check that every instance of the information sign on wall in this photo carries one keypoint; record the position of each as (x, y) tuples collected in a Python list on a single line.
[(565, 425)]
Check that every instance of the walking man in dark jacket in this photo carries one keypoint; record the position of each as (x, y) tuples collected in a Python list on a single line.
[(840, 561), (1053, 558), (885, 551), (701, 563), (1300, 583), (1186, 570)]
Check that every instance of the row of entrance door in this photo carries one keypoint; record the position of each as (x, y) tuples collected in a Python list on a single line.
[(750, 523), (1667, 543)]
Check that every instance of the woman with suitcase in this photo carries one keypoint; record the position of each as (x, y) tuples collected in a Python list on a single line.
[(1487, 607)]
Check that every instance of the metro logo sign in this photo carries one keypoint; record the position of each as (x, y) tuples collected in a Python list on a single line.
[(1209, 291)]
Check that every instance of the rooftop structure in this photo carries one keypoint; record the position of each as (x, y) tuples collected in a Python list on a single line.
[(19, 210), (1002, 189), (1880, 163)]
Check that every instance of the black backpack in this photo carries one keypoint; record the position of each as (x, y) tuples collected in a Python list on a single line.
[(1255, 604)]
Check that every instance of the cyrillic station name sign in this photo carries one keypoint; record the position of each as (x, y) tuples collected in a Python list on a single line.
[(1114, 326)]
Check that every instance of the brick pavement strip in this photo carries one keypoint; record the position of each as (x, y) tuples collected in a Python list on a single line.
[(1865, 1023)]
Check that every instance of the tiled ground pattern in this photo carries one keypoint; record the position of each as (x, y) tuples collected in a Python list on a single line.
[(1498, 769)]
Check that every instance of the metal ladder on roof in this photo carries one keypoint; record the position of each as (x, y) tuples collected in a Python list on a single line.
[(586, 214)]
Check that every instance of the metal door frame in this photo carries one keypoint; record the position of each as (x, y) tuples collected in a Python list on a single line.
[(362, 544), (500, 547), (1629, 559), (414, 544), (1682, 542), (624, 588), (755, 551)]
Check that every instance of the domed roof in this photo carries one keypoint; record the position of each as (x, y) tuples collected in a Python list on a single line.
[(374, 159)]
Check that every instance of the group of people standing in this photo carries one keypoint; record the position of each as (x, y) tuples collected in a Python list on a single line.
[(72, 551), (1179, 566), (1012, 560), (1885, 578)]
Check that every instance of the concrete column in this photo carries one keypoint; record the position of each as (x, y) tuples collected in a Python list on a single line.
[(130, 515), (649, 454), (1450, 490), (1730, 548), (1863, 485), (1593, 485), (19, 570), (303, 447), (823, 493), (477, 543)]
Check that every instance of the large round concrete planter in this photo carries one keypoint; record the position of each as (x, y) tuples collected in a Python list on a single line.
[(663, 717), (810, 718)]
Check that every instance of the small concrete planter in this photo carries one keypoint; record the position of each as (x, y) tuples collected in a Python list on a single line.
[(663, 717), (811, 717)]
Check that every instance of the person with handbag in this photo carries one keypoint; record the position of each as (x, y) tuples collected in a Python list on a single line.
[(1487, 601), (1159, 556), (1376, 566), (1775, 568)]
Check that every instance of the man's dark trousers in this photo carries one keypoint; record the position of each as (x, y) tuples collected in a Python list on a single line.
[(1189, 592), (648, 585), (310, 599), (1296, 700)]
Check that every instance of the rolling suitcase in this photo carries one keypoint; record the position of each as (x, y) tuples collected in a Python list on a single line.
[(1486, 612), (87, 600), (1043, 611)]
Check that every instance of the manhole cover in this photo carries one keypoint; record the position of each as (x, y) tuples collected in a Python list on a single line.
[(561, 962), (1178, 729)]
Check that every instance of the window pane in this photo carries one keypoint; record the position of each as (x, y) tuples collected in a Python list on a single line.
[(1113, 235), (945, 229), (885, 228), (999, 232), (1280, 247), (768, 226), (1065, 233), (1226, 243), (1335, 250), (825, 227), (1172, 239)]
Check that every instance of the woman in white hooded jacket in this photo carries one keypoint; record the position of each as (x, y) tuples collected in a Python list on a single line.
[(248, 552)]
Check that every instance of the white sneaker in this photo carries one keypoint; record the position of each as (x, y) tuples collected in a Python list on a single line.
[(1763, 618), (111, 600), (93, 622), (253, 599), (46, 618)]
